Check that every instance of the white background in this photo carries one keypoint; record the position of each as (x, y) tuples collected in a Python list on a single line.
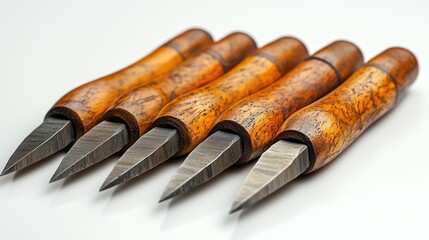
[(377, 188)]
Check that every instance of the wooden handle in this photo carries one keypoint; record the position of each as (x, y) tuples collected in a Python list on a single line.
[(139, 107), (85, 105), (331, 124), (257, 118), (195, 113)]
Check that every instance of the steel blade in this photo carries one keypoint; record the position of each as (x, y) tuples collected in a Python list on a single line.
[(50, 137), (280, 164), (150, 150), (217, 153), (100, 142)]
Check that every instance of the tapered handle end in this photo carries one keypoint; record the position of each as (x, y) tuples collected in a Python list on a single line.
[(285, 53), (190, 42), (233, 48), (345, 57), (400, 64)]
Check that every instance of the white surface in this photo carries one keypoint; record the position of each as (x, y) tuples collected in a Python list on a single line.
[(377, 188)]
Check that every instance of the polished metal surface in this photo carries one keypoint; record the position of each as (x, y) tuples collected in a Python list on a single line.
[(280, 164), (100, 142), (50, 137), (218, 152), (150, 150)]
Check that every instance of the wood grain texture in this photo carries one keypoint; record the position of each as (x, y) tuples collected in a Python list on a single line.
[(195, 113), (139, 107), (257, 118), (85, 105), (331, 124)]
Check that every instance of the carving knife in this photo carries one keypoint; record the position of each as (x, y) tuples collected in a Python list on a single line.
[(82, 108), (315, 135)]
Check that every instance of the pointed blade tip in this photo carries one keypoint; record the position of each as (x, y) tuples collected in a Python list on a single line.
[(51, 136), (103, 187), (108, 184), (155, 140), (53, 179), (63, 171), (6, 171), (10, 169), (167, 195), (300, 155), (173, 189), (228, 151), (114, 179), (91, 148), (171, 192), (236, 207), (162, 199), (58, 176)]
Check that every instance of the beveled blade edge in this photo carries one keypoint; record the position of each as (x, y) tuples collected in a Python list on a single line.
[(280, 164), (211, 157), (100, 142), (51, 136), (150, 150)]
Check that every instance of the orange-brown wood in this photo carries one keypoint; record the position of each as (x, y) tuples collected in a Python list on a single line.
[(139, 107), (331, 124), (257, 118), (195, 113), (85, 105)]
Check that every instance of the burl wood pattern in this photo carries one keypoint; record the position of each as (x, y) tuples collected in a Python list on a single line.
[(331, 124), (257, 118), (85, 105), (195, 113), (139, 107)]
